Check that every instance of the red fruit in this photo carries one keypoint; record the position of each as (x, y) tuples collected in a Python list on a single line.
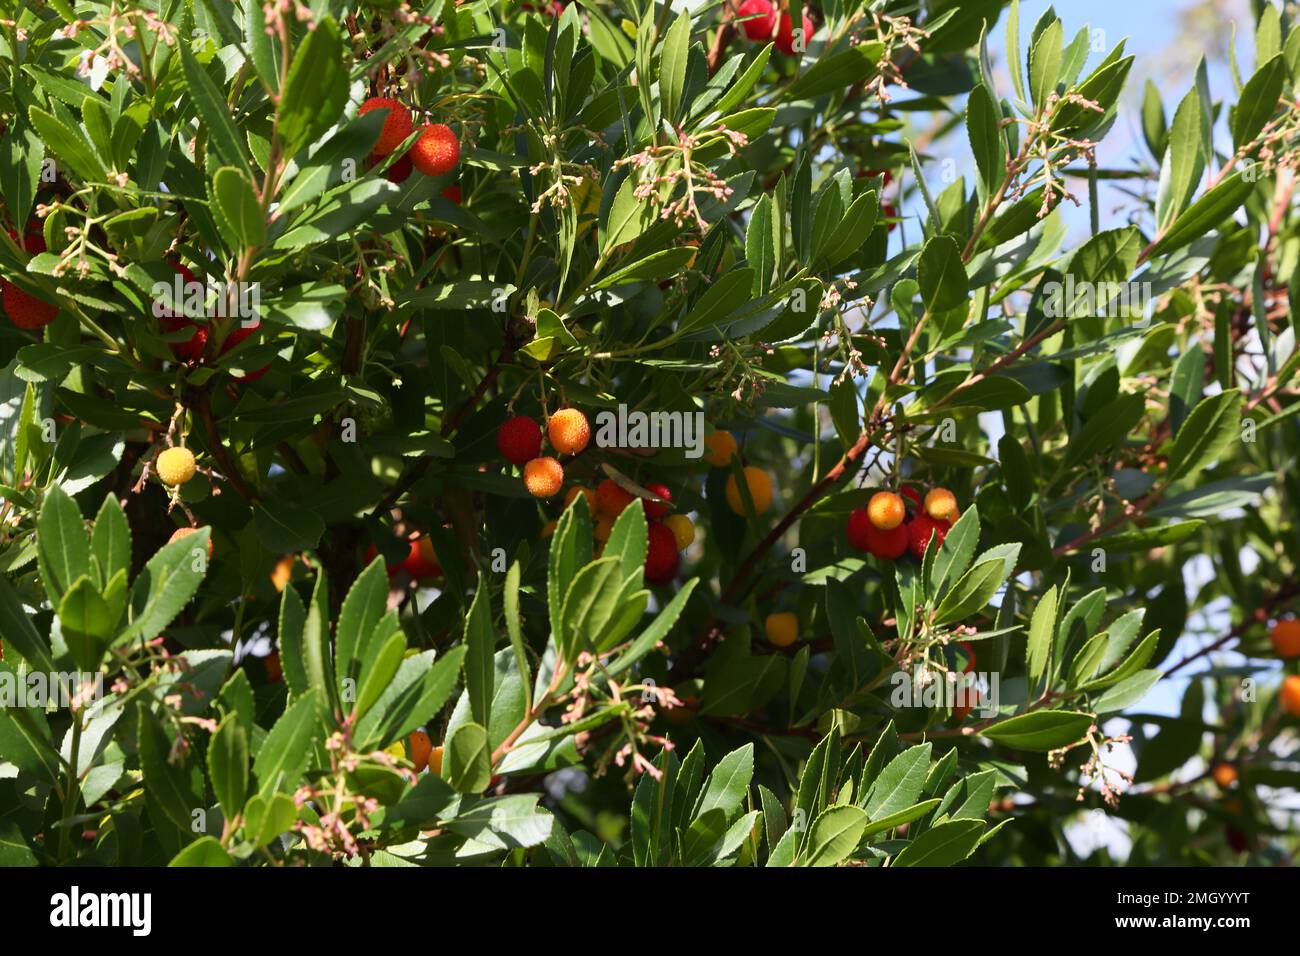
[(887, 545), (655, 510), (452, 194), (421, 563), (919, 531), (274, 672), (397, 125), (237, 335), (437, 151), (784, 39), (661, 557), (519, 440), (191, 349), (25, 310), (757, 18), (856, 530), (400, 171)]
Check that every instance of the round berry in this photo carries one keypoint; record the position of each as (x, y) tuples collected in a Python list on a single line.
[(176, 466), (519, 440), (612, 498), (180, 533), (397, 124), (784, 39), (654, 510), (543, 477), (941, 504), (886, 510), (758, 19), (683, 530), (781, 628), (437, 151), (760, 491), (720, 448), (568, 431), (1285, 638), (661, 558), (421, 748)]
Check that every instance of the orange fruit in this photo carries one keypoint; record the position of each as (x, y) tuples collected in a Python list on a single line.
[(1286, 637), (421, 748), (1290, 694), (568, 431), (612, 498), (941, 504), (886, 511), (760, 491), (720, 448), (782, 628), (543, 477), (1225, 775)]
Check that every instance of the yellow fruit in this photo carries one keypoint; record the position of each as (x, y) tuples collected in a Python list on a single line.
[(760, 491), (543, 477), (782, 628), (683, 530), (885, 510), (176, 466), (435, 761), (1291, 694), (396, 750), (720, 447), (1225, 775), (1286, 638), (421, 747), (940, 504), (568, 431)]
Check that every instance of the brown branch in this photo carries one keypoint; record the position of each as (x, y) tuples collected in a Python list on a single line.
[(203, 405)]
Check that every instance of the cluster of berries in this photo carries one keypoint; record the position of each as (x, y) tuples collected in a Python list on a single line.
[(520, 442), (435, 152), (23, 309), (884, 530), (191, 349), (759, 20)]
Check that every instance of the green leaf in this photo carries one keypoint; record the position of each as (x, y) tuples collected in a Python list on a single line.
[(760, 255), (110, 539), (1211, 427), (206, 851), (982, 118), (941, 275), (672, 65), (224, 139), (362, 609), (236, 208), (835, 835), (467, 761), (285, 752), (1258, 101), (1127, 692), (900, 783), (1206, 213), (972, 592), (68, 144), (166, 784), (838, 71), (1045, 62), (1042, 635), (1040, 731), (480, 643), (283, 530), (19, 632), (228, 765), (316, 89), (62, 546), (87, 624), (166, 585), (944, 845), (1110, 425)]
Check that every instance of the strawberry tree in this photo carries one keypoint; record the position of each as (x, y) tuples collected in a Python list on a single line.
[(611, 432)]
